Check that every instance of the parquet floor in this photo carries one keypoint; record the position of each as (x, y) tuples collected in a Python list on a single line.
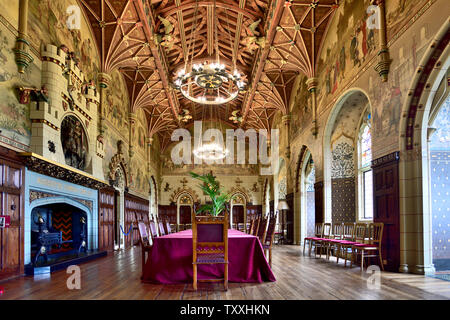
[(299, 277)]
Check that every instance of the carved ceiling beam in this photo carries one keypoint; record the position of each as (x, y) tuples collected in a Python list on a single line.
[(210, 24), (181, 29), (273, 17), (159, 56), (185, 6)]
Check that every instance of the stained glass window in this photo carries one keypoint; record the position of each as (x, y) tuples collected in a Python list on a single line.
[(366, 147), (365, 172)]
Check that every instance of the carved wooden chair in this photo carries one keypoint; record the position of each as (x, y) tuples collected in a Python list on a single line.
[(145, 242), (153, 229), (371, 244), (252, 226), (162, 231), (262, 229), (269, 236), (168, 228), (210, 245), (317, 234)]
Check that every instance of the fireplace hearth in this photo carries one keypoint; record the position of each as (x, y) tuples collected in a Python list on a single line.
[(58, 232)]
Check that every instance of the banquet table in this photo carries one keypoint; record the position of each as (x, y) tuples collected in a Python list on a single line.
[(170, 260)]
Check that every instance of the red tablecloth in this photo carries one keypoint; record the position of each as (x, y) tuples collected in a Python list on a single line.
[(170, 260)]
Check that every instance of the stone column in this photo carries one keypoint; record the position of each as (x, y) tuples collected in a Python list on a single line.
[(312, 84), (103, 81), (131, 123), (384, 61), (23, 57)]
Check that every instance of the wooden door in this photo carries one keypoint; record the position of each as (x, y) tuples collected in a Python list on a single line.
[(386, 207), (11, 197), (185, 214), (238, 216), (106, 219)]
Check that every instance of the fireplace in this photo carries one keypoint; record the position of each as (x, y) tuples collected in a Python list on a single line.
[(58, 232), (59, 217)]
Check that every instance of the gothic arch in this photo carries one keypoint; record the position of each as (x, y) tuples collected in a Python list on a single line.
[(118, 162), (243, 191), (416, 256), (360, 96), (184, 190)]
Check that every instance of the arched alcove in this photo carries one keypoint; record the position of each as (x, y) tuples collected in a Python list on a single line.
[(425, 100), (340, 161)]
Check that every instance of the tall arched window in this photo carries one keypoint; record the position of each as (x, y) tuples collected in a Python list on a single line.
[(364, 170)]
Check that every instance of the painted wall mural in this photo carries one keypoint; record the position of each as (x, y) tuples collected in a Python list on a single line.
[(302, 109), (15, 122), (116, 107), (48, 24), (347, 49)]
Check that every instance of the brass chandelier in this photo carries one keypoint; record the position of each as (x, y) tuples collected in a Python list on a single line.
[(208, 82)]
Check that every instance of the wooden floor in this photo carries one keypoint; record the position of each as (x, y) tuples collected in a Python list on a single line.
[(117, 276)]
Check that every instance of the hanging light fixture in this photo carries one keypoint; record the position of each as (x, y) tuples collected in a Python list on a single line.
[(208, 82), (211, 151)]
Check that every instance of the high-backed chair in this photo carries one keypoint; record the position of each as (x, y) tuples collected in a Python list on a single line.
[(371, 244), (144, 241), (269, 236), (262, 229), (210, 244), (168, 228), (162, 231), (153, 229), (252, 226)]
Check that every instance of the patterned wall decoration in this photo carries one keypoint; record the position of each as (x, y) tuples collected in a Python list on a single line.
[(342, 164), (440, 188), (343, 200)]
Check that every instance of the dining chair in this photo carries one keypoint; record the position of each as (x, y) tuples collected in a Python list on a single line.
[(335, 237), (168, 228), (269, 236), (321, 243), (145, 243), (251, 226), (162, 231), (317, 234), (348, 239), (210, 245), (372, 243), (359, 236), (262, 229), (152, 228), (257, 223)]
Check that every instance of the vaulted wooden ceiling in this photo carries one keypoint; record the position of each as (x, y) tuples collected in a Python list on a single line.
[(269, 41)]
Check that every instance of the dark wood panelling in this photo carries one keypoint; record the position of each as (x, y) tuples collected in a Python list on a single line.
[(136, 209), (290, 219), (11, 197), (318, 198), (238, 214), (386, 207), (106, 219)]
